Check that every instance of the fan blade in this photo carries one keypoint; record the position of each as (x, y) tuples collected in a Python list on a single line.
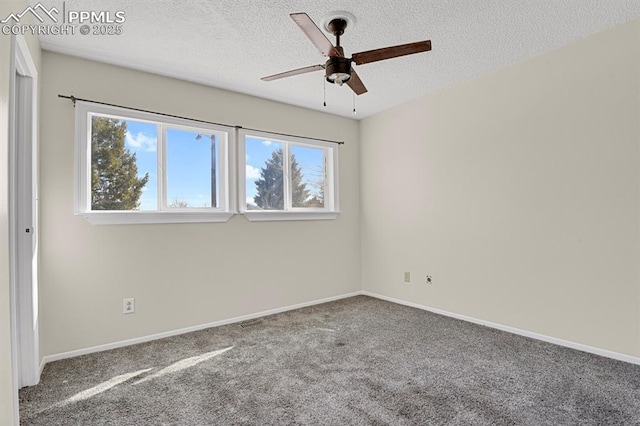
[(356, 84), (316, 36), (293, 72), (391, 52)]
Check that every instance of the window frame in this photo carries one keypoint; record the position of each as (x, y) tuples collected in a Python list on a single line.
[(226, 181), (331, 200)]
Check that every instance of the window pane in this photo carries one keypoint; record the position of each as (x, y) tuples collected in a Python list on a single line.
[(307, 177), (191, 174), (123, 164), (265, 181)]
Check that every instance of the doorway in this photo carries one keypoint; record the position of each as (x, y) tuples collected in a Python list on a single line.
[(23, 215)]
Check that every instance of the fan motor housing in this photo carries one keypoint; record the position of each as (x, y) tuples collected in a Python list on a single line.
[(337, 67)]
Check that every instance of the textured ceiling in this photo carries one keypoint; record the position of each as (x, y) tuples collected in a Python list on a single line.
[(230, 44)]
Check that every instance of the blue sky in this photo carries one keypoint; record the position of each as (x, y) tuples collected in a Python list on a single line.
[(189, 163)]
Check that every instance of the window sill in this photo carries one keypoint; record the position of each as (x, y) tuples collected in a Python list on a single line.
[(266, 216), (133, 218)]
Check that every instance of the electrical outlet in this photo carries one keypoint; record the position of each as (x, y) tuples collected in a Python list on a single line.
[(407, 277), (128, 306), (429, 280)]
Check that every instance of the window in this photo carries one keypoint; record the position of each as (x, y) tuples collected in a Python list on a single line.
[(286, 178), (138, 167)]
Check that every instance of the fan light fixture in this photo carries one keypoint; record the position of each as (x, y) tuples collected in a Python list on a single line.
[(338, 78), (338, 70)]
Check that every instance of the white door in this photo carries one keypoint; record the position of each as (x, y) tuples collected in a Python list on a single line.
[(23, 217)]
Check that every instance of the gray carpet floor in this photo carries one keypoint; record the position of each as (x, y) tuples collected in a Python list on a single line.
[(357, 361)]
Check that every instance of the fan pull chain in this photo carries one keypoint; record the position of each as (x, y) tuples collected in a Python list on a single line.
[(354, 104), (324, 87)]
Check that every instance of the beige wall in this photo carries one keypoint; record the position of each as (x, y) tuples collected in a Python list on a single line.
[(7, 381), (519, 192), (181, 275)]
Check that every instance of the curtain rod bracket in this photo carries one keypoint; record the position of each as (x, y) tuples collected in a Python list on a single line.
[(71, 97)]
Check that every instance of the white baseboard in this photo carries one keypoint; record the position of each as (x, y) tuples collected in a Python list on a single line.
[(544, 338), (122, 343)]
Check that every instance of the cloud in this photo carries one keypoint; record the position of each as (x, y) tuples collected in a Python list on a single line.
[(252, 172), (141, 142), (250, 200), (266, 143)]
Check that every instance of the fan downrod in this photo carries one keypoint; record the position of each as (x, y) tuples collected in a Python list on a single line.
[(337, 26)]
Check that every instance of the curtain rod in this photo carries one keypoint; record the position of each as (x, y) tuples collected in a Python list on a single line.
[(74, 99)]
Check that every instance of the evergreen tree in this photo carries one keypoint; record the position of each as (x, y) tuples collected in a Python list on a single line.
[(270, 189), (114, 181), (300, 193)]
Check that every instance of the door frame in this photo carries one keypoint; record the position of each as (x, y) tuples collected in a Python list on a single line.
[(23, 209)]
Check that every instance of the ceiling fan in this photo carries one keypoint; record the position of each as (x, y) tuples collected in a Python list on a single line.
[(338, 69)]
